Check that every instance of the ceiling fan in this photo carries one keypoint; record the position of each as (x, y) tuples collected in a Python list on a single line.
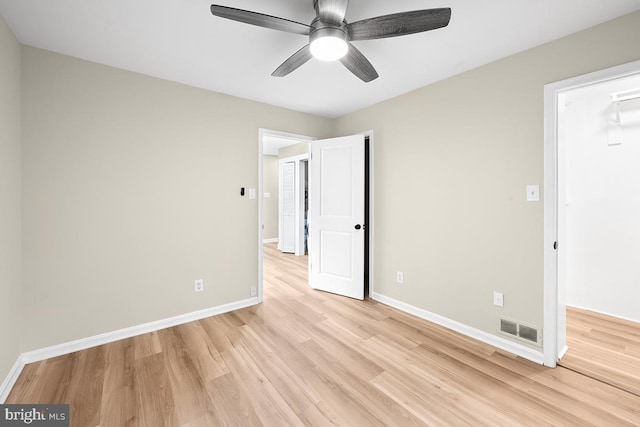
[(330, 35)]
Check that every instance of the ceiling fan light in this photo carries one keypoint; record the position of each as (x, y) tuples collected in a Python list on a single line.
[(329, 48)]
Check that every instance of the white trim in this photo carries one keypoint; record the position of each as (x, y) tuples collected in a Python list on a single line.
[(552, 307), (563, 352), (487, 338), (120, 334), (275, 240), (550, 231), (295, 158), (108, 337), (628, 319), (11, 378)]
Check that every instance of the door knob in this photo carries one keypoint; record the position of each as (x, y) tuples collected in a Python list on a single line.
[(358, 226)]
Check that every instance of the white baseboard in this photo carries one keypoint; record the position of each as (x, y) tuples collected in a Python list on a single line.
[(628, 319), (276, 240), (120, 334), (563, 352), (11, 379), (496, 341)]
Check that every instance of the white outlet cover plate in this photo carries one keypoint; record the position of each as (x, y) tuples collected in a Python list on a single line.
[(498, 299)]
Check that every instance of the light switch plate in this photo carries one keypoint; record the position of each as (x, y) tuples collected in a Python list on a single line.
[(252, 193), (533, 193), (498, 299)]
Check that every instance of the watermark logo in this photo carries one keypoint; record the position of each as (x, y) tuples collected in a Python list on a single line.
[(34, 415)]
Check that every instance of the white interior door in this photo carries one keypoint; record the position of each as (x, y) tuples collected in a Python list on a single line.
[(336, 216), (287, 206)]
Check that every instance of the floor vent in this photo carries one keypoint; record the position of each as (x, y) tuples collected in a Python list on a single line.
[(518, 330)]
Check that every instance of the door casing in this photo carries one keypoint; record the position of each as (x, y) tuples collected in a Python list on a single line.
[(262, 133), (554, 323)]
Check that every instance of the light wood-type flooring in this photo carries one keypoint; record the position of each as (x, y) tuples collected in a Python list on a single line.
[(604, 347), (309, 358)]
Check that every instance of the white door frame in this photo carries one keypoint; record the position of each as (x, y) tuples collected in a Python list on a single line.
[(554, 336), (370, 226)]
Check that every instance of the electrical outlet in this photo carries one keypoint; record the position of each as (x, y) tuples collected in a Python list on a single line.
[(254, 291), (199, 285), (399, 277), (498, 299)]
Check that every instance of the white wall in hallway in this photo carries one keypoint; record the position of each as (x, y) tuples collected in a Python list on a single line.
[(603, 200)]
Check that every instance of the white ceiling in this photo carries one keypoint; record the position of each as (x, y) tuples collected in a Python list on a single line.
[(180, 40)]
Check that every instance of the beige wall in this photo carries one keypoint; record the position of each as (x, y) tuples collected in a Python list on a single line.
[(131, 192), (130, 189), (270, 176), (451, 164), (10, 165), (293, 150)]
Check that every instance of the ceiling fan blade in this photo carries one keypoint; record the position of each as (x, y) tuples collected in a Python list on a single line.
[(359, 65), (399, 24), (293, 63), (260, 19), (331, 11)]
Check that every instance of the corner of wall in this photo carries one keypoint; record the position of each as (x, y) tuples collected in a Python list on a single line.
[(10, 208)]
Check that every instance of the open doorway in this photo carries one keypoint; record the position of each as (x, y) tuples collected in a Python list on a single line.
[(286, 149), (591, 171), (272, 147)]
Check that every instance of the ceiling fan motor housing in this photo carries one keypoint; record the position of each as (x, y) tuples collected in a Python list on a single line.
[(320, 29)]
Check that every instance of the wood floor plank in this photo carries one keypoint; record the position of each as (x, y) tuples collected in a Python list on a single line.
[(358, 384), (147, 345), (183, 377), (155, 400), (84, 391), (265, 398), (119, 399), (304, 357), (231, 406), (604, 348)]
